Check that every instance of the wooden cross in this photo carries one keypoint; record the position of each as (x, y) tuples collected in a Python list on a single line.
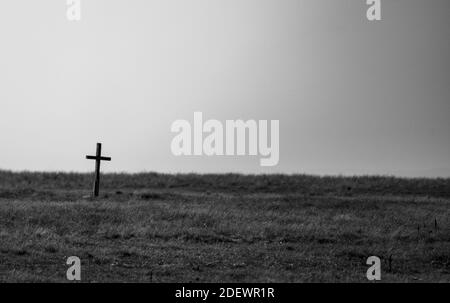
[(98, 158)]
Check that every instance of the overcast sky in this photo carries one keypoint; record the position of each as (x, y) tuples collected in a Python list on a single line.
[(352, 96)]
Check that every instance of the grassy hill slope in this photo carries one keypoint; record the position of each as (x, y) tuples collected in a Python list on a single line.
[(223, 228)]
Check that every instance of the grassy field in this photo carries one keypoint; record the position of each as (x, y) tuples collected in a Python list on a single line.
[(223, 228)]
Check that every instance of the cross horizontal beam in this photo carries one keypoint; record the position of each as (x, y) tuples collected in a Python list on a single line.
[(98, 158)]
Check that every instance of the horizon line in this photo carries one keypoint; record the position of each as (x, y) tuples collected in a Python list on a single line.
[(290, 174)]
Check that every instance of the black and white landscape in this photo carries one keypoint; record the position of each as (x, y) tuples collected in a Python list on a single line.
[(225, 141)]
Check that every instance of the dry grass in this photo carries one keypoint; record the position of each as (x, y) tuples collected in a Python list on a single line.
[(223, 228)]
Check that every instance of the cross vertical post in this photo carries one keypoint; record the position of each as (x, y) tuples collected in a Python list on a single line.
[(98, 158), (97, 170)]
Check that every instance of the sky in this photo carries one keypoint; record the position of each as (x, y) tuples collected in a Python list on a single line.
[(351, 96)]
